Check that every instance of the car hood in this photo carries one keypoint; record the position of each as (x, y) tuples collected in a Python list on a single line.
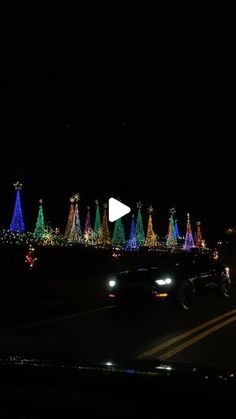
[(108, 388)]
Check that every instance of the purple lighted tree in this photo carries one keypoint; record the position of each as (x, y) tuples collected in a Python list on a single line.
[(132, 244), (75, 233), (189, 243), (88, 231)]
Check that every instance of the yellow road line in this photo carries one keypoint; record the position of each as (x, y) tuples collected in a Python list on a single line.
[(153, 351), (196, 339)]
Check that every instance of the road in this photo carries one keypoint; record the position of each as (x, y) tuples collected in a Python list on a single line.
[(89, 329)]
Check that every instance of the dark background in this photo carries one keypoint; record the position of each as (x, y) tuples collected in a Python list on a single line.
[(137, 106)]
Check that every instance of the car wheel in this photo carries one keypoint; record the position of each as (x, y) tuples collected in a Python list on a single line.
[(186, 295), (225, 286)]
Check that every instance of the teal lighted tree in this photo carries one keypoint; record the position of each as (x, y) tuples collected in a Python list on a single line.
[(17, 224), (139, 226), (39, 231), (118, 238), (171, 241)]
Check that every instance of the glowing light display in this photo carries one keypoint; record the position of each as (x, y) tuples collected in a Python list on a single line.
[(88, 231), (189, 243), (132, 244), (104, 236), (17, 224), (139, 226), (118, 238), (200, 243), (177, 235), (39, 231), (70, 218), (30, 258), (97, 225), (75, 233), (171, 237), (151, 239)]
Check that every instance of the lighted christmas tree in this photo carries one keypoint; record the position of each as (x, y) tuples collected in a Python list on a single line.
[(88, 231), (97, 225), (39, 231), (177, 235), (151, 239), (189, 243), (17, 224), (132, 244), (139, 226), (75, 233), (70, 218), (104, 236), (118, 238), (200, 244), (171, 237)]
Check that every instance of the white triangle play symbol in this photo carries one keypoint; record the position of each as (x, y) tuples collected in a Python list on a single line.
[(116, 209)]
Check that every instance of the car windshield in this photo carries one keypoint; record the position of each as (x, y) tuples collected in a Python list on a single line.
[(117, 196)]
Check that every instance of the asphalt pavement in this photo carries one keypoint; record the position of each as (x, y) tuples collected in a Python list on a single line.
[(84, 327)]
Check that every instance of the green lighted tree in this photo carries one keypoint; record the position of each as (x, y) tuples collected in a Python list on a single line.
[(39, 231), (118, 238)]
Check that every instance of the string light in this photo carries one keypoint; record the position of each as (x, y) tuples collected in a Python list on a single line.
[(17, 224), (151, 239), (171, 237), (132, 244), (39, 231), (189, 243), (104, 236), (139, 226)]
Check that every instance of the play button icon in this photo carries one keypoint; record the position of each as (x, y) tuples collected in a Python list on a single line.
[(116, 209)]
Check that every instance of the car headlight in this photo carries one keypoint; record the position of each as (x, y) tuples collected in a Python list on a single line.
[(112, 283), (166, 281)]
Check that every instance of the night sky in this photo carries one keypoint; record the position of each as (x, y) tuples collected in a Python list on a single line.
[(141, 110)]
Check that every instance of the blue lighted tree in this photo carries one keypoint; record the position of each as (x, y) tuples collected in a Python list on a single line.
[(17, 223), (132, 244), (177, 235)]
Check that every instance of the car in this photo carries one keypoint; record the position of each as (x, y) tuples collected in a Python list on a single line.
[(179, 276)]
